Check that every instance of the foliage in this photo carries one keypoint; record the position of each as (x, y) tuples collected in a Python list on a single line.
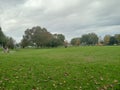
[(75, 41), (10, 42), (59, 39), (40, 37), (107, 39), (54, 42), (89, 39), (2, 38), (111, 40), (24, 42), (117, 37)]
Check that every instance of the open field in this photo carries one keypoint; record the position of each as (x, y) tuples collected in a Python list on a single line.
[(73, 68)]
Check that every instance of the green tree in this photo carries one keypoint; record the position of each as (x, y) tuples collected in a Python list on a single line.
[(41, 37), (117, 37), (2, 38), (89, 39), (93, 39), (75, 41), (56, 40), (84, 39), (112, 40), (60, 38), (25, 42), (36, 36), (10, 42)]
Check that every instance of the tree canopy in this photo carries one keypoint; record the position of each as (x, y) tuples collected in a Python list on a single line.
[(40, 37), (89, 39), (75, 41)]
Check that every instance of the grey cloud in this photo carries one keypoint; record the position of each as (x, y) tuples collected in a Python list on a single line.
[(70, 17), (10, 3)]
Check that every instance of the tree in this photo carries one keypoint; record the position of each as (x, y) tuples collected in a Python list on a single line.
[(84, 39), (75, 41), (93, 39), (37, 36), (117, 37), (112, 40), (89, 39), (60, 38), (41, 37), (24, 42), (2, 38), (56, 40), (10, 42), (107, 39)]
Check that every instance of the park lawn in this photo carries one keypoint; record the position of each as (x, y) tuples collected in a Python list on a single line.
[(72, 68)]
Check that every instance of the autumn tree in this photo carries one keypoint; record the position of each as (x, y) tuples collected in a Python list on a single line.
[(75, 41), (107, 39)]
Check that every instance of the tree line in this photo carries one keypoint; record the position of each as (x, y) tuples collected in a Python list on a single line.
[(93, 39), (40, 38)]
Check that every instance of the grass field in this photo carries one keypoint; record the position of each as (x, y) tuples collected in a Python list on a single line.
[(72, 68)]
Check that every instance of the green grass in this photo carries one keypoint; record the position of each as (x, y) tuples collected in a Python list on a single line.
[(73, 68)]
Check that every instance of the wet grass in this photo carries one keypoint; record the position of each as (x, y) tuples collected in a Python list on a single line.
[(73, 68)]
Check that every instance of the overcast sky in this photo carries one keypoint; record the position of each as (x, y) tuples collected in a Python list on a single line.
[(69, 17)]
